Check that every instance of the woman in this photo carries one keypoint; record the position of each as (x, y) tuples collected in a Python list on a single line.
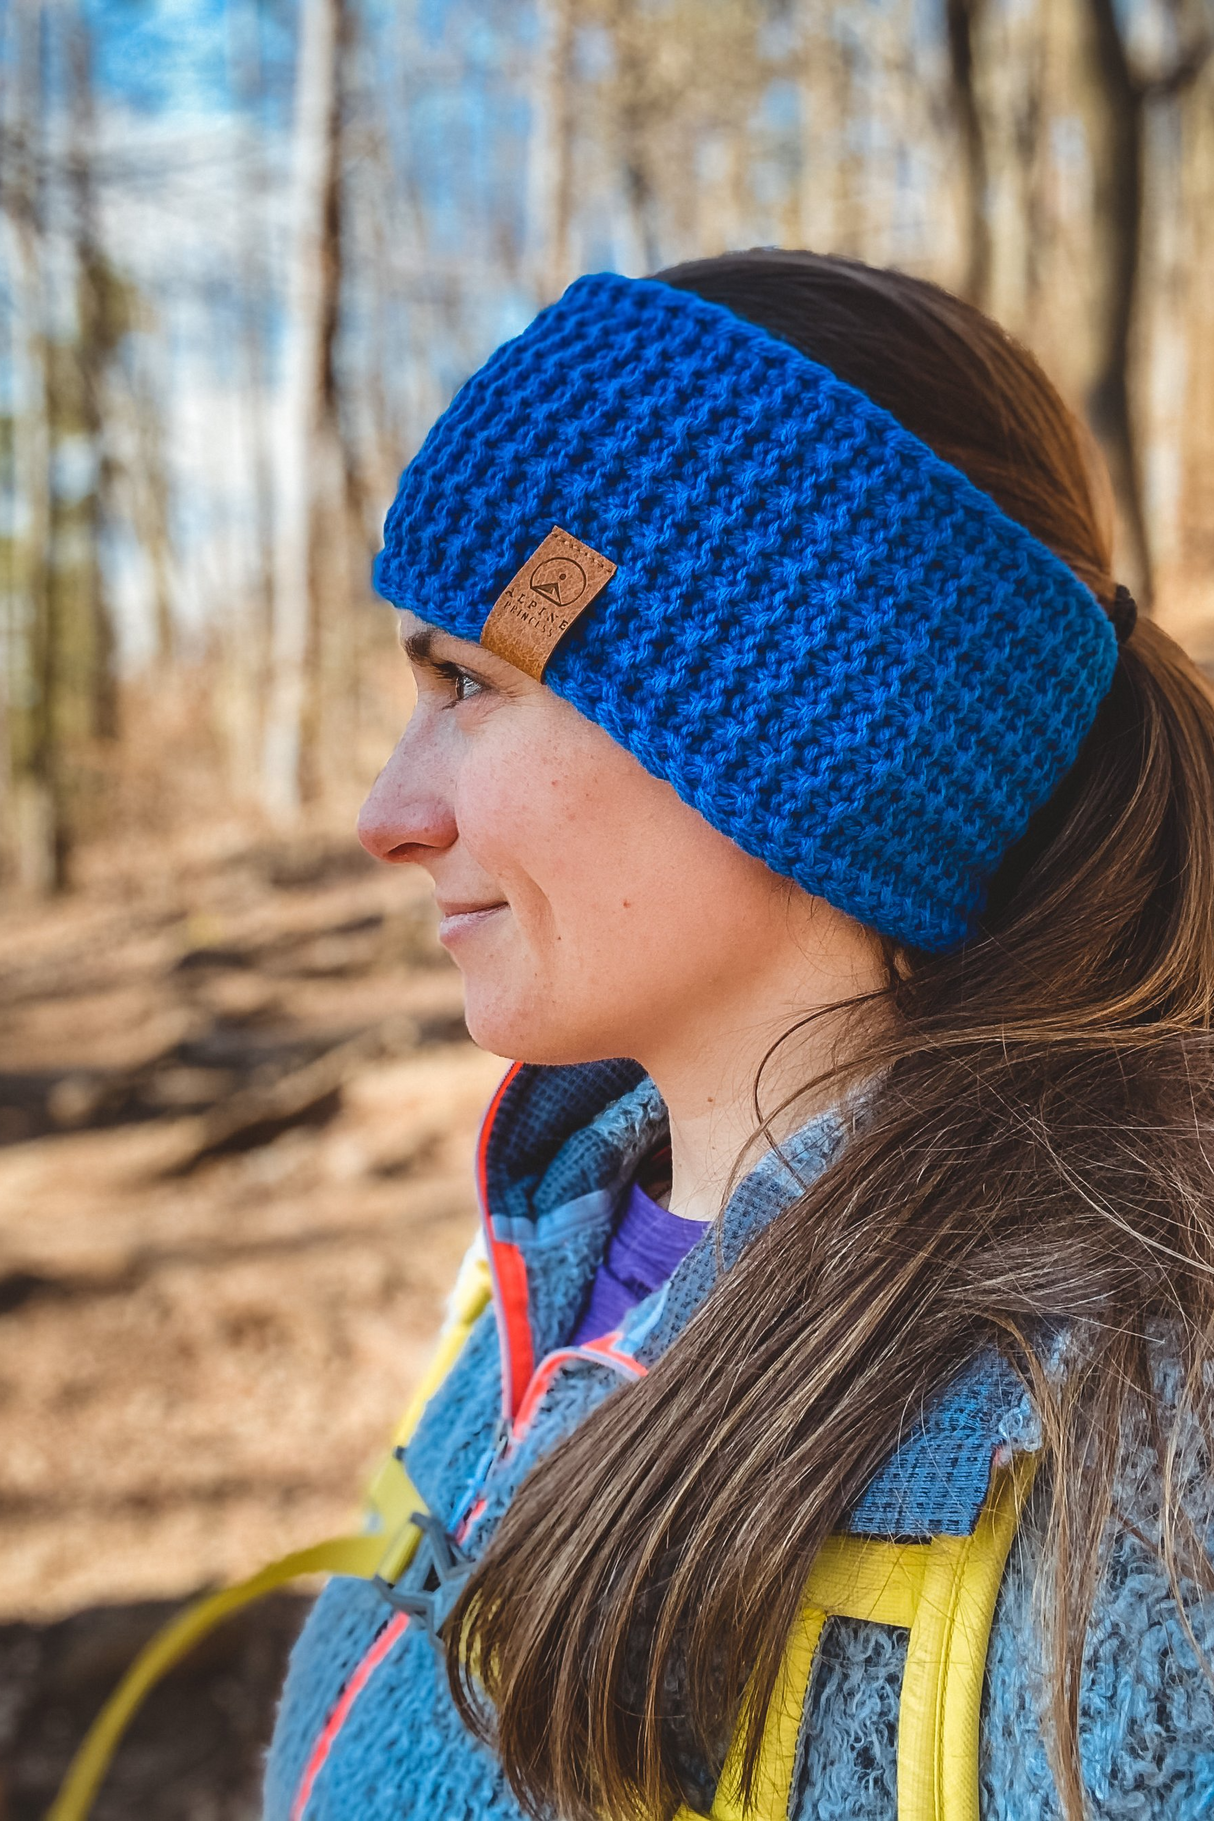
[(781, 729)]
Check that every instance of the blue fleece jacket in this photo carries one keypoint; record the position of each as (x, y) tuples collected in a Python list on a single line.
[(366, 1729)]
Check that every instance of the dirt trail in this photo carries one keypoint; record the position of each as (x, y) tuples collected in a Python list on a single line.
[(237, 1109)]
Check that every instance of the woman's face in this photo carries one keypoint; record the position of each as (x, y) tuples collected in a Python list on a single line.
[(591, 912)]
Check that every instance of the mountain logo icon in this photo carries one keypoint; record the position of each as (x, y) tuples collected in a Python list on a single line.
[(564, 575), (559, 579)]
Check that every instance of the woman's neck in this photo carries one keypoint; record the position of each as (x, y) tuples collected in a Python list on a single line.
[(713, 1126), (707, 1069)]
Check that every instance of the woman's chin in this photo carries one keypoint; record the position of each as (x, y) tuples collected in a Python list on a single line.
[(522, 1035), (497, 1027)]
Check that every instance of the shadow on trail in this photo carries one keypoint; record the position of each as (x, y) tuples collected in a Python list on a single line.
[(195, 1751)]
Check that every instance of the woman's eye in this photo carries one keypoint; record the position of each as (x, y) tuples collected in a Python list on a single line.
[(454, 682), (466, 685)]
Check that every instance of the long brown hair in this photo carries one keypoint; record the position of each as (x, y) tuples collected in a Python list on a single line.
[(1034, 1158)]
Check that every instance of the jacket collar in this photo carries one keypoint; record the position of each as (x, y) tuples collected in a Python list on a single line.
[(558, 1149)]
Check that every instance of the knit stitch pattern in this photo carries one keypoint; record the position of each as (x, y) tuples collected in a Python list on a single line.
[(830, 643)]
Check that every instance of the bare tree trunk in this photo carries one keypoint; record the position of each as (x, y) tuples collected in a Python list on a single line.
[(12, 583), (1119, 99), (829, 213), (338, 543), (394, 414), (964, 21), (39, 798), (551, 154), (895, 75), (300, 405), (152, 519), (1118, 102), (247, 633), (1195, 555), (1030, 131), (96, 332), (629, 26)]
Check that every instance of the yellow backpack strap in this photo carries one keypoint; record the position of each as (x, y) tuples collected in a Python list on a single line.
[(390, 1497), (944, 1593), (340, 1555), (938, 1720), (385, 1549)]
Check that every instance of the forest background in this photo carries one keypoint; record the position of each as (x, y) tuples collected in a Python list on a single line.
[(248, 251)]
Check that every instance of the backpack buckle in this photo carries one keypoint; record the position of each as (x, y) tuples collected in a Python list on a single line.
[(436, 1574)]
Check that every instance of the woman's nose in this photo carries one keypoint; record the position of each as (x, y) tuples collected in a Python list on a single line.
[(407, 816)]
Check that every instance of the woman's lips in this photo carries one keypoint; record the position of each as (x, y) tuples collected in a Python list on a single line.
[(458, 920)]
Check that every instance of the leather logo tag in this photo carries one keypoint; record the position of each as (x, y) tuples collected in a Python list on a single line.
[(539, 604)]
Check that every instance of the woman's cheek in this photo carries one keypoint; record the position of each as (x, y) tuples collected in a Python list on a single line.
[(556, 980), (500, 990)]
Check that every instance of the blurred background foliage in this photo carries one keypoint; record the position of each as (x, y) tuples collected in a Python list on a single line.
[(250, 249)]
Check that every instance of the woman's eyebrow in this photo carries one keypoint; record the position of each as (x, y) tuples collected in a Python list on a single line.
[(418, 646)]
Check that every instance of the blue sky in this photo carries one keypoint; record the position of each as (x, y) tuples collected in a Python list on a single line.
[(182, 56)]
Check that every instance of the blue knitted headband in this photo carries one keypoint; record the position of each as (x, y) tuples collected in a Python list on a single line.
[(831, 644)]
